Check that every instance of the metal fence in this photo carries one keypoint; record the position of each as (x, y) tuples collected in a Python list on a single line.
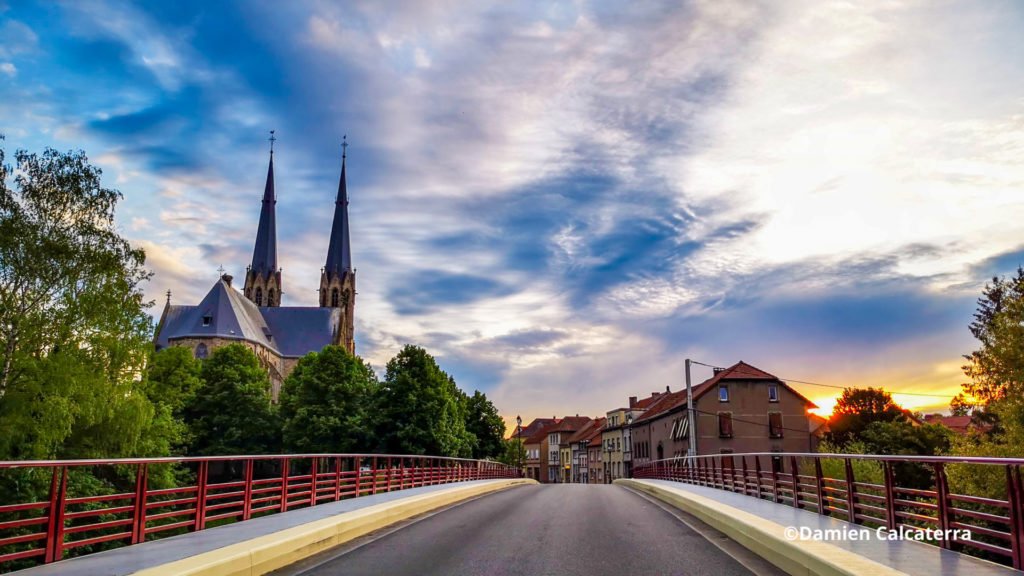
[(894, 492), (122, 508)]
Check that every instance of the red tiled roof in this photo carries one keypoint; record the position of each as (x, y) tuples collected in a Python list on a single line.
[(584, 433), (541, 433), (741, 371), (531, 428), (571, 424), (595, 432)]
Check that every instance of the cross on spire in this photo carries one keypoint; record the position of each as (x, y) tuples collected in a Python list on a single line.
[(344, 145), (220, 270), (272, 140)]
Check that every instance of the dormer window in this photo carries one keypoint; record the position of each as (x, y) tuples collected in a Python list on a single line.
[(207, 320)]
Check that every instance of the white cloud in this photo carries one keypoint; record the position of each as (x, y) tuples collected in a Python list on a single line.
[(8, 68)]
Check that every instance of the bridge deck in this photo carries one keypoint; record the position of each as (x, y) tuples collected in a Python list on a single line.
[(131, 559), (907, 556)]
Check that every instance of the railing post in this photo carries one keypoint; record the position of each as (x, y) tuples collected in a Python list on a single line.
[(55, 515), (389, 473), (819, 482), (285, 472), (851, 491), (359, 474), (337, 479), (374, 465), (757, 472), (139, 517), (202, 479), (890, 496), (314, 464), (942, 499), (401, 473), (1015, 497), (247, 494), (775, 479), (744, 458), (796, 482)]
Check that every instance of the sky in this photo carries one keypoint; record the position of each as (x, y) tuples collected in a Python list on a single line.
[(564, 201)]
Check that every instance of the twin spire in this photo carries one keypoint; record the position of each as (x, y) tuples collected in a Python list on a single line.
[(264, 255)]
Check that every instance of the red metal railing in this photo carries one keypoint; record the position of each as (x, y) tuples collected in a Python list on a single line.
[(893, 501), (219, 490)]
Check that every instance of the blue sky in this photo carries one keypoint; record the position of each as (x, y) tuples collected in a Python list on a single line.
[(562, 201)]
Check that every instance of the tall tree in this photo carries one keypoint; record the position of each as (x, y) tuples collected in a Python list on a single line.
[(484, 423), (326, 403), (232, 413), (419, 408), (74, 333), (859, 407)]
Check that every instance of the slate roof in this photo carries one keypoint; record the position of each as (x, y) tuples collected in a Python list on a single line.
[(226, 313), (264, 253)]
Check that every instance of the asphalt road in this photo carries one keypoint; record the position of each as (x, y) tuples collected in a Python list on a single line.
[(547, 529)]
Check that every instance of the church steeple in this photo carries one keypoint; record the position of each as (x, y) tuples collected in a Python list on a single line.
[(339, 252), (263, 278), (338, 278)]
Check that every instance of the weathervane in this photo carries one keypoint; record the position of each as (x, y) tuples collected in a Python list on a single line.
[(344, 145), (272, 140)]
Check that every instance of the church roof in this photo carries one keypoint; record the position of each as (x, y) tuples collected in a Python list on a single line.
[(264, 254), (226, 313), (339, 252)]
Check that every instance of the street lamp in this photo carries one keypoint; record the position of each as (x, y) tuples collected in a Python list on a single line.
[(519, 438)]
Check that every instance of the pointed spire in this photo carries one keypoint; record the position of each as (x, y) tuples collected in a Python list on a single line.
[(339, 252), (264, 255)]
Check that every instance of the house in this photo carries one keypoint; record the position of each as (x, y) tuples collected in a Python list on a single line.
[(579, 472), (617, 438), (536, 446), (740, 409), (524, 433), (959, 424), (595, 466), (559, 456)]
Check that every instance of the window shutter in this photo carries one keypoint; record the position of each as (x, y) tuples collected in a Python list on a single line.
[(775, 424), (725, 424)]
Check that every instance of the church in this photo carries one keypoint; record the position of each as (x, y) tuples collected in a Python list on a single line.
[(279, 335)]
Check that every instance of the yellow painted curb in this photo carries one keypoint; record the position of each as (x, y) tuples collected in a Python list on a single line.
[(766, 538), (267, 553)]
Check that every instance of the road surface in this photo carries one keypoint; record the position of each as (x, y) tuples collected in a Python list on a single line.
[(561, 529)]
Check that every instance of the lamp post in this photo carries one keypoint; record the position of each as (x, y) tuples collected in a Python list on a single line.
[(521, 447), (629, 445)]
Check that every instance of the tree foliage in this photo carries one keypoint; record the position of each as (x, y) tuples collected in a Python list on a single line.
[(859, 407), (486, 425), (420, 410), (232, 412), (74, 333), (326, 403)]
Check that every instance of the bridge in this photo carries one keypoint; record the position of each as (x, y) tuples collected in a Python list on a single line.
[(320, 514)]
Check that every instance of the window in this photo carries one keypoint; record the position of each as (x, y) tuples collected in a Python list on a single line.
[(259, 296), (201, 351), (270, 297), (334, 297), (723, 393), (207, 320), (725, 424), (773, 392), (775, 424)]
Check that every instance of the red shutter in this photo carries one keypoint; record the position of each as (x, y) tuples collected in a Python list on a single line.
[(775, 424), (725, 424)]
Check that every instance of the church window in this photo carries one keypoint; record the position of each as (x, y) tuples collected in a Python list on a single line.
[(259, 297), (201, 351), (207, 320), (334, 297), (270, 297)]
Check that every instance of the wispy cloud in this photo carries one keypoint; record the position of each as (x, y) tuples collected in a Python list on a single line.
[(563, 201)]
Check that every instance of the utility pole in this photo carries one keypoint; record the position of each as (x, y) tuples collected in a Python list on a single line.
[(690, 414)]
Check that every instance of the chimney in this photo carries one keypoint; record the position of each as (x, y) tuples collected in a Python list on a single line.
[(632, 402), (717, 370), (227, 278), (666, 390)]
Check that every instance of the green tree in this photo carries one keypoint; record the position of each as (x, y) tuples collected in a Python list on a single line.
[(484, 423), (74, 333), (326, 403), (856, 409), (514, 452), (420, 410), (232, 412), (172, 379)]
